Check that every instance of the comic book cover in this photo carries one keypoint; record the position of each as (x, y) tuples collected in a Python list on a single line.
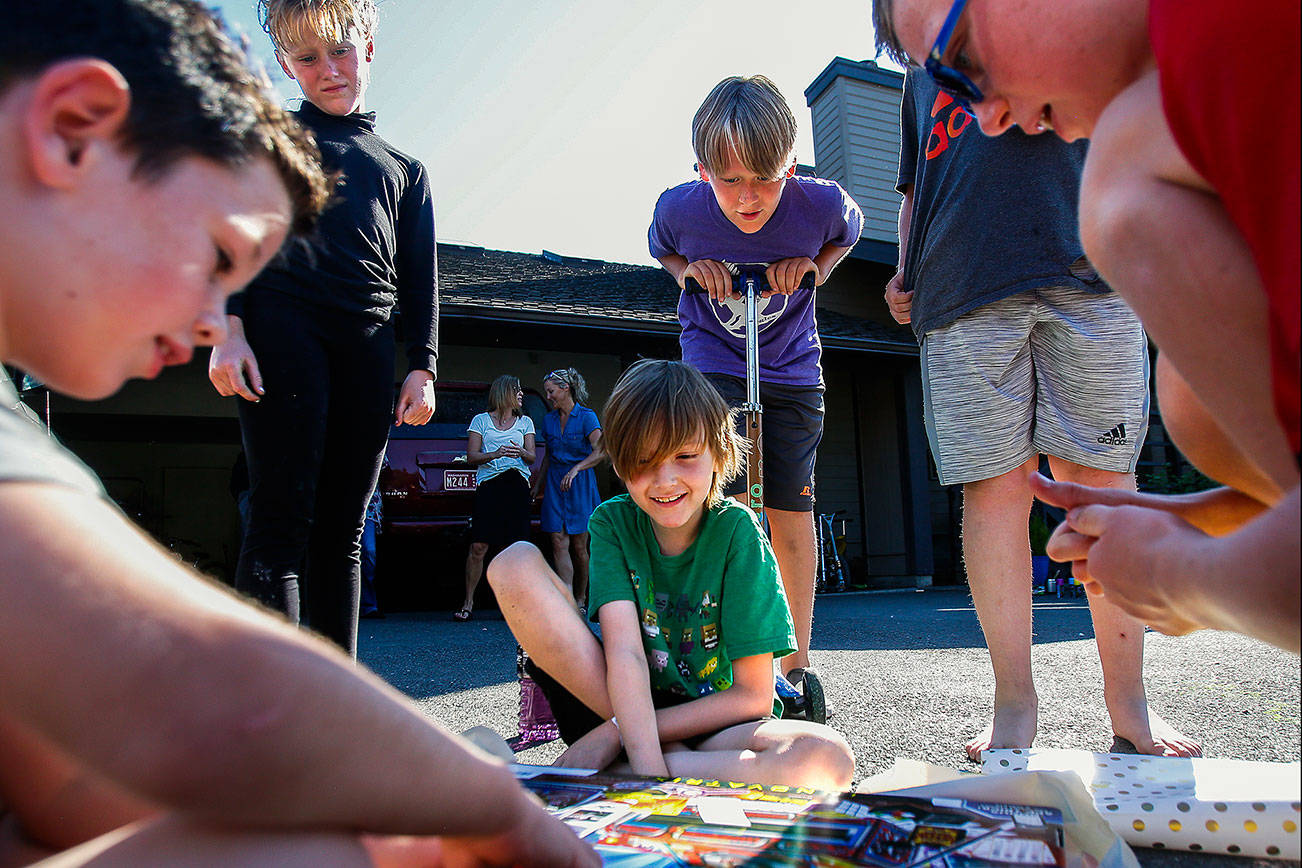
[(650, 822)]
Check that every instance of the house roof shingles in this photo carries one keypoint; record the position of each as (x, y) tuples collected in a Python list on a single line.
[(499, 284)]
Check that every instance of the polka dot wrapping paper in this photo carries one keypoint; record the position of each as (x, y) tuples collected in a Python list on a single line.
[(1204, 805)]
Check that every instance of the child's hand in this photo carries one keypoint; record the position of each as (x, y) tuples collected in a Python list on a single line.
[(899, 301), (596, 750), (714, 277), (233, 369), (415, 405), (784, 275)]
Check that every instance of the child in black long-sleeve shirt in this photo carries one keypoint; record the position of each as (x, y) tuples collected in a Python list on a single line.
[(311, 348)]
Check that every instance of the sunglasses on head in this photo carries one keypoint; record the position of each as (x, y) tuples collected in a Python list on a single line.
[(946, 77)]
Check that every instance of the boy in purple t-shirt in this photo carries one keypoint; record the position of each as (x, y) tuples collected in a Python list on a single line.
[(749, 206)]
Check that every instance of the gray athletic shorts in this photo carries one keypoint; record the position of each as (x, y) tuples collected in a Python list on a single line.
[(1056, 371)]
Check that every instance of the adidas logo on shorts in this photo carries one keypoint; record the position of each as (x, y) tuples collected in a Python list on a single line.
[(1115, 437)]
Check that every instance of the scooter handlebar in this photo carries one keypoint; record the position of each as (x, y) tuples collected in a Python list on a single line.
[(692, 287)]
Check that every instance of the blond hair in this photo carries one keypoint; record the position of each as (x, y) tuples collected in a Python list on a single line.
[(290, 22), (748, 116), (657, 408), (569, 378), (501, 395)]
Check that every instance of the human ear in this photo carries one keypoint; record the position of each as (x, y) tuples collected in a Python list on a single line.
[(705, 176), (370, 49), (75, 106), (285, 66)]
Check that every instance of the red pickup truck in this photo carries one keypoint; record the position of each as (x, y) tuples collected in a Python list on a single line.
[(428, 493)]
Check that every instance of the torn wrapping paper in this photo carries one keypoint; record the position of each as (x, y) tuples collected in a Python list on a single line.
[(1089, 840), (1204, 805)]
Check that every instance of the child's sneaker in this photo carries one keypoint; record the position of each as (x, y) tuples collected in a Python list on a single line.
[(801, 693)]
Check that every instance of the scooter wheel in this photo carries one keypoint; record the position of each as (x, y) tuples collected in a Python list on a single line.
[(815, 702)]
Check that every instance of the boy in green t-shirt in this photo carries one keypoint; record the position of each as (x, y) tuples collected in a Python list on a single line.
[(692, 611)]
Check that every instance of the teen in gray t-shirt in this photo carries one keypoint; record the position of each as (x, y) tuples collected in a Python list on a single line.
[(979, 231), (1023, 353)]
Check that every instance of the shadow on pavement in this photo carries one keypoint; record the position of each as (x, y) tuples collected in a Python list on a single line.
[(931, 618)]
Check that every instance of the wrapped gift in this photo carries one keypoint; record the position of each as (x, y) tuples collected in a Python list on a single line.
[(1205, 805)]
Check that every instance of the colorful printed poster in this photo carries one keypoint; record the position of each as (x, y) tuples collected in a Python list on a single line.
[(648, 822)]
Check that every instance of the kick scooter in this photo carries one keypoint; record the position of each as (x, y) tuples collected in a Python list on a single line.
[(748, 279)]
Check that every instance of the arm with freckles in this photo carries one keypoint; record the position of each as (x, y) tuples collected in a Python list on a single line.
[(749, 698), (1177, 579)]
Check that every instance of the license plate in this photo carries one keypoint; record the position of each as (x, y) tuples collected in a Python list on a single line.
[(458, 480)]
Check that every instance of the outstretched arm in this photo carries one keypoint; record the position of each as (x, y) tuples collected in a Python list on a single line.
[(1215, 512), (1176, 578), (211, 708)]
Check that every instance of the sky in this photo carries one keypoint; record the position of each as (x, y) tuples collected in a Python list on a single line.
[(555, 124)]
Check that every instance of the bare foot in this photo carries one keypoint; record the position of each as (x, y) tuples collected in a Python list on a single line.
[(1014, 726), (1148, 733)]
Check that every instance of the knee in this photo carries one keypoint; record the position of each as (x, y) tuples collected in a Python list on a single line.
[(477, 551), (561, 543), (1011, 488), (822, 759), (518, 563), (793, 532)]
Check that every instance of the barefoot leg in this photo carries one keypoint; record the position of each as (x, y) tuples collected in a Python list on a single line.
[(1121, 651), (997, 553)]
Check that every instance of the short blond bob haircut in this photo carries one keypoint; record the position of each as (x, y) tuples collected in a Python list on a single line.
[(501, 395), (748, 116), (291, 22), (659, 407)]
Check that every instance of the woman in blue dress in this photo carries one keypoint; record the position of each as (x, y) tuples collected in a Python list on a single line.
[(573, 437)]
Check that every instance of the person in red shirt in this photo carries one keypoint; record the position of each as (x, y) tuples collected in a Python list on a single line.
[(1189, 209)]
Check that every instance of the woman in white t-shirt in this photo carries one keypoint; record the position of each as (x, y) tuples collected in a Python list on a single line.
[(500, 448)]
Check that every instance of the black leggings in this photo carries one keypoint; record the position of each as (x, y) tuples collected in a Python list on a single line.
[(314, 445)]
